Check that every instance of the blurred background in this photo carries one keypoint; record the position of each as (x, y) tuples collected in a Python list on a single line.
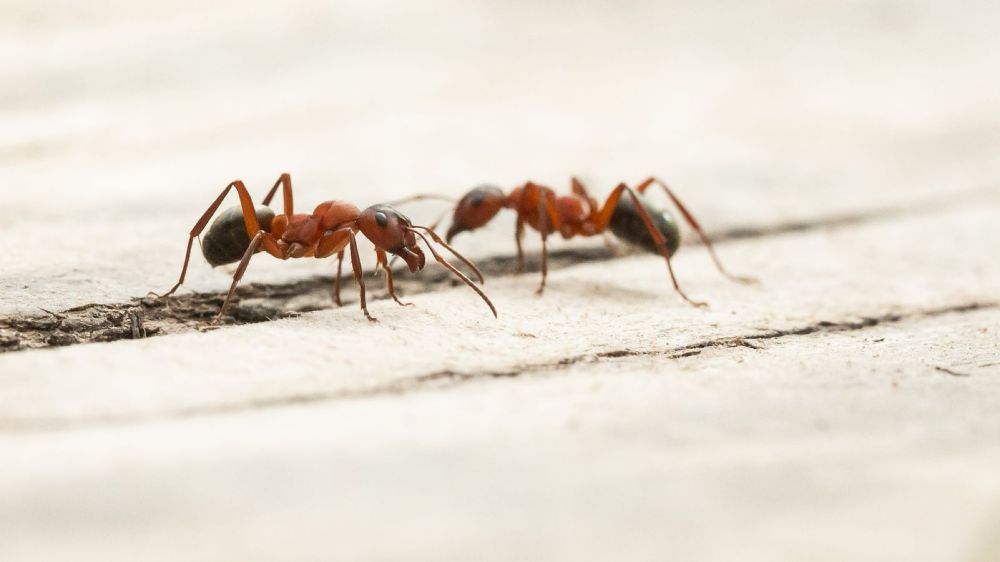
[(122, 120)]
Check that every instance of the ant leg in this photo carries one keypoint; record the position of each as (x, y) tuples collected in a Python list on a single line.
[(547, 218), (677, 287), (604, 217), (249, 219), (285, 181), (329, 243), (421, 197), (356, 266), (689, 218), (580, 190), (261, 237), (518, 238), (380, 253), (545, 263), (336, 282), (609, 242)]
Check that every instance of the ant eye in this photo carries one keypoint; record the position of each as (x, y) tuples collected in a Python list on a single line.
[(381, 219), (476, 199)]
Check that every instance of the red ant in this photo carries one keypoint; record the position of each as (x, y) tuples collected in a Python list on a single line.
[(633, 219), (240, 232)]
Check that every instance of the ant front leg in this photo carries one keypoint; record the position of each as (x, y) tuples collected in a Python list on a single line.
[(336, 282), (356, 266), (548, 219), (693, 223), (518, 239), (604, 218), (545, 252), (380, 255), (249, 218)]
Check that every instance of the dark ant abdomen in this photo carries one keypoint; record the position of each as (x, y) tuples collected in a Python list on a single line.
[(628, 225), (226, 240)]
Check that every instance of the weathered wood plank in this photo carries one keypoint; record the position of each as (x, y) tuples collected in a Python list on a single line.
[(834, 446), (906, 266)]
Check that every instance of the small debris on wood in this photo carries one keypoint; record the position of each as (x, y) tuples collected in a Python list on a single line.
[(948, 371), (683, 354), (9, 341)]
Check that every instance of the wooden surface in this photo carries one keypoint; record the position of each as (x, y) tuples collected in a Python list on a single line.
[(845, 153)]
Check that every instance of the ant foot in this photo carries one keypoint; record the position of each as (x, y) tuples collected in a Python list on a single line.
[(696, 304)]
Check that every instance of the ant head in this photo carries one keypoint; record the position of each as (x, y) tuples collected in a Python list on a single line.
[(476, 209), (392, 231)]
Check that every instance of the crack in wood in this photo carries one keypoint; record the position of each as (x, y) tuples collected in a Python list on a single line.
[(146, 317), (452, 378), (950, 372)]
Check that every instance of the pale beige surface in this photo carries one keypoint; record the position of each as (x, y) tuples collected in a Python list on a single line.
[(843, 410), (833, 447)]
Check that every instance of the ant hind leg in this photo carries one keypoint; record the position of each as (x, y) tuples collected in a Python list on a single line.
[(249, 218), (604, 218), (693, 223), (262, 237)]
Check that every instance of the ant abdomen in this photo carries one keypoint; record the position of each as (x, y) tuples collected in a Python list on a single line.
[(627, 224), (227, 240)]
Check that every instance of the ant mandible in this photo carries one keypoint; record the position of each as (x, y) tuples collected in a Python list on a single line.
[(632, 218), (240, 232)]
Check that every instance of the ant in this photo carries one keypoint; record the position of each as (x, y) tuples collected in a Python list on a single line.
[(632, 218), (240, 232)]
